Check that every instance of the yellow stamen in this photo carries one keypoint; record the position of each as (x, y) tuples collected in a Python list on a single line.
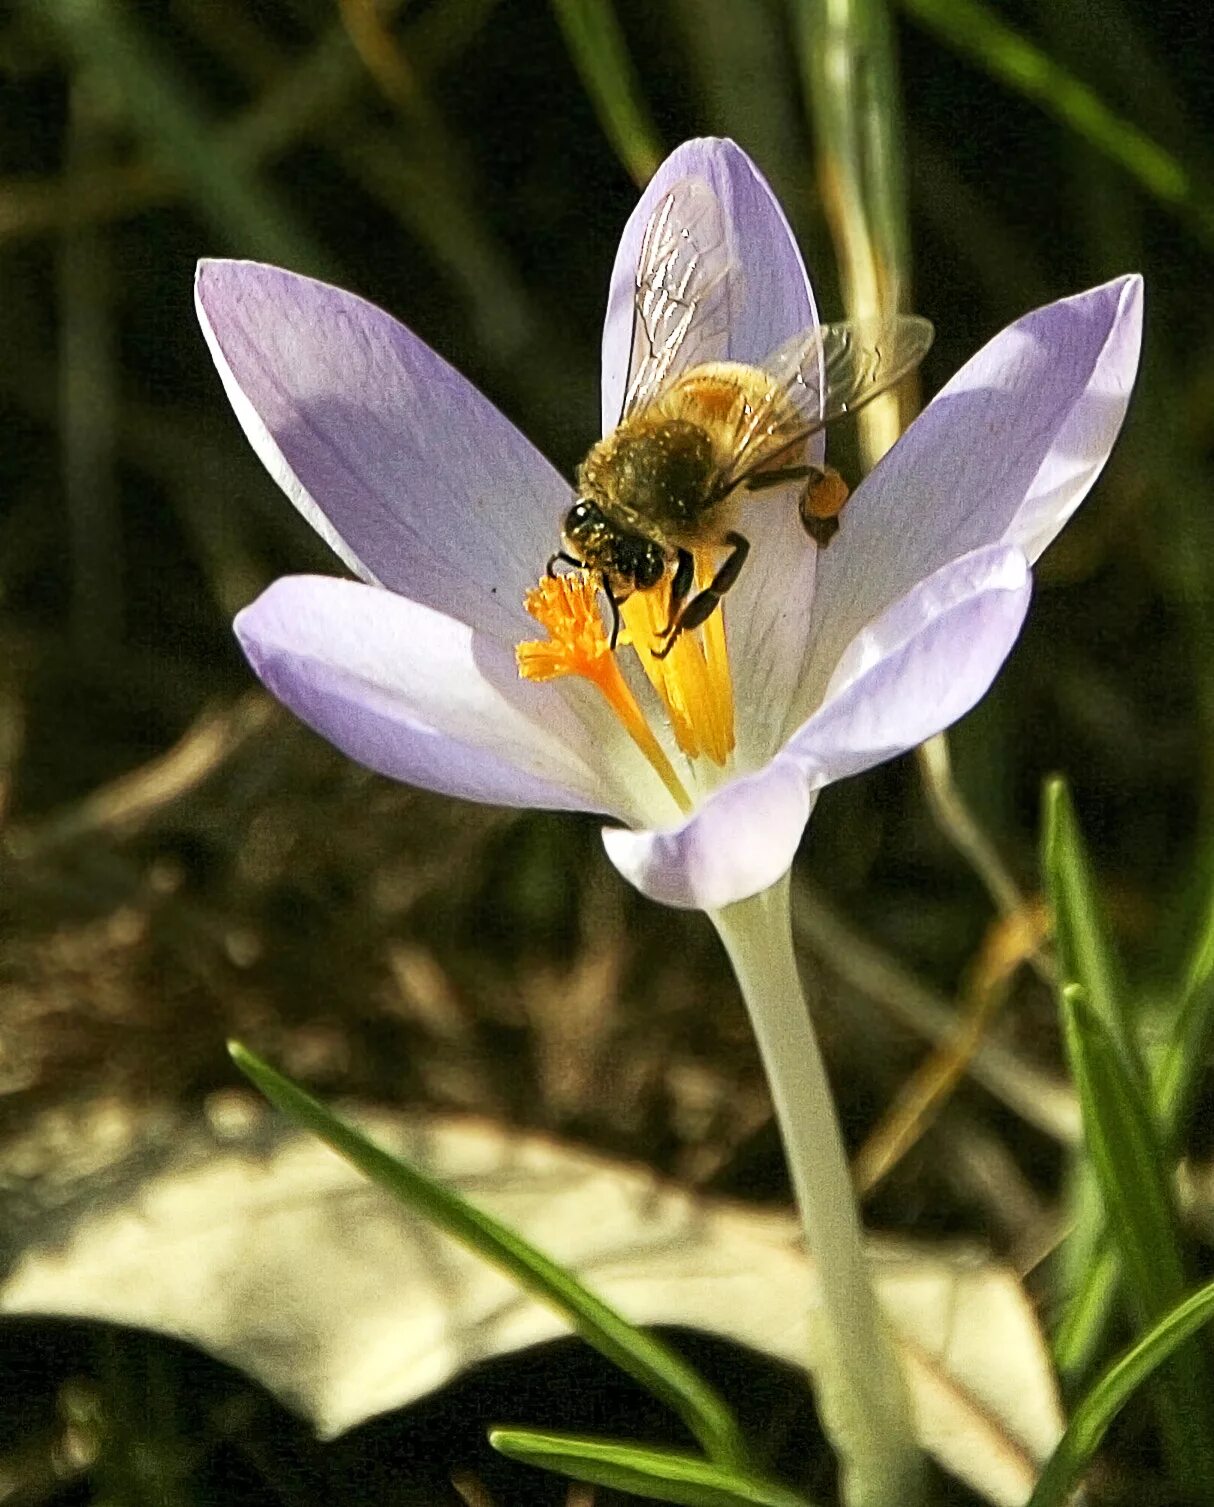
[(693, 680), (577, 644)]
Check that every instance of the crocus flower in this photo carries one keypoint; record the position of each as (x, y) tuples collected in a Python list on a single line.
[(455, 663), (820, 663)]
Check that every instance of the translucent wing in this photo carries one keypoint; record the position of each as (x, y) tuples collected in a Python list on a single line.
[(820, 375), (680, 314)]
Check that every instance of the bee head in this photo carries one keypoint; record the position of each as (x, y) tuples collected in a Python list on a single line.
[(585, 524), (643, 561), (629, 562)]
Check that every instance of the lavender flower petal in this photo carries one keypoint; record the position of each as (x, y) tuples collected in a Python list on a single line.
[(1006, 452), (413, 477), (769, 300), (919, 667), (925, 663), (738, 843), (422, 698)]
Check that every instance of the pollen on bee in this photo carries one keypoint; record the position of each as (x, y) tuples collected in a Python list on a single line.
[(825, 497)]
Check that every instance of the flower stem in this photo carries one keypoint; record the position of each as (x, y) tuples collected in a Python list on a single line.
[(861, 1395)]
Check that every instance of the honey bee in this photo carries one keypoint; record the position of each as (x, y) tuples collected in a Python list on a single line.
[(696, 436)]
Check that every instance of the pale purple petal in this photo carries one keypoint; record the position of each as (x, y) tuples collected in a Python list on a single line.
[(421, 697), (770, 301), (737, 844), (769, 295), (413, 477), (1089, 431), (1006, 452), (914, 671), (919, 667)]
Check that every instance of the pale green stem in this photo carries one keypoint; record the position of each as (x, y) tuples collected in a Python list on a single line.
[(858, 1381)]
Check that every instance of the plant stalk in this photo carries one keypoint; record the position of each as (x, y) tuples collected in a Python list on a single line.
[(861, 1393)]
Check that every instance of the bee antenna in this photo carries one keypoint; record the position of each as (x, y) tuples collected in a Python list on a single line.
[(567, 559)]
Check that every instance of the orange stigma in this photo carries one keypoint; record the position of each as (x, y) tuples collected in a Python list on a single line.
[(692, 681), (577, 644)]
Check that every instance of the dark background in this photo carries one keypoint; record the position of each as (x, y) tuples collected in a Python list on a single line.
[(158, 895)]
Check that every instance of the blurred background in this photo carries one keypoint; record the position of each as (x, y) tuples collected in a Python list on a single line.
[(181, 862)]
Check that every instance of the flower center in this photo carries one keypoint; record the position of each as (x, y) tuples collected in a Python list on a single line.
[(692, 681)]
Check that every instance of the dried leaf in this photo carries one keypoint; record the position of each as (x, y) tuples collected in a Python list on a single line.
[(282, 1262)]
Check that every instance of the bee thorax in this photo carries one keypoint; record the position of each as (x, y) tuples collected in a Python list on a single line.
[(651, 475)]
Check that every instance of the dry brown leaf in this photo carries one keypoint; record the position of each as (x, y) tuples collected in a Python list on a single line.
[(285, 1264)]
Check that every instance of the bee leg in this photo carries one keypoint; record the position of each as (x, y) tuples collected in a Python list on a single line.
[(680, 585), (765, 479), (820, 530), (566, 559), (615, 611), (705, 603)]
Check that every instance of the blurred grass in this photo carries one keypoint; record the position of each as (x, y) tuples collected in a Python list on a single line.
[(977, 30), (103, 39), (853, 99), (1129, 1162), (178, 865), (87, 388), (600, 55)]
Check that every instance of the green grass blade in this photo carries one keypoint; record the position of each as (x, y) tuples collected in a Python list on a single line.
[(1105, 1399), (664, 1475), (600, 55), (1131, 1169), (644, 1358), (1089, 1295), (1184, 1062), (1173, 1085), (1085, 952), (1086, 958), (976, 32)]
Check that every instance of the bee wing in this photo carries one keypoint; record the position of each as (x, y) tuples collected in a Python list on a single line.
[(680, 314), (821, 375)]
